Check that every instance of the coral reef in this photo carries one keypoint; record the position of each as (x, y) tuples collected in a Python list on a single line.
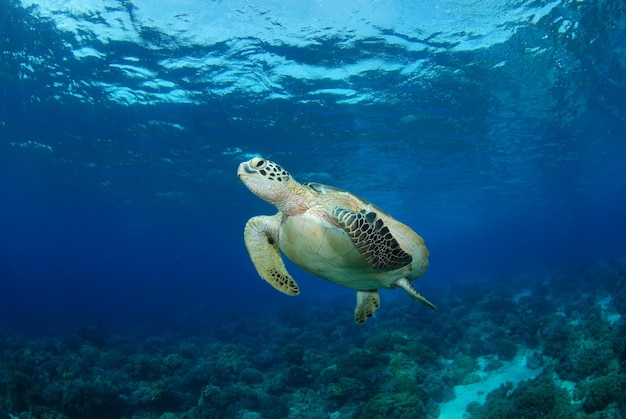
[(538, 398), (604, 391), (312, 362)]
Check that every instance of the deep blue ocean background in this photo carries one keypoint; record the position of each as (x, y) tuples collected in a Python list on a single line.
[(495, 129)]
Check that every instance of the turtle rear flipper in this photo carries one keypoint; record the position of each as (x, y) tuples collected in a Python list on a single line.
[(367, 302), (262, 244), (406, 286)]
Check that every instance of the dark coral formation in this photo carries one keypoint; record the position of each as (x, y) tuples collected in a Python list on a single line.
[(537, 398), (311, 361)]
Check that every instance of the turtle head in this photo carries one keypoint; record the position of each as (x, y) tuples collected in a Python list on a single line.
[(270, 182)]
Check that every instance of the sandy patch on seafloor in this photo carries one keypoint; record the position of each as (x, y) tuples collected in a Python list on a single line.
[(514, 371)]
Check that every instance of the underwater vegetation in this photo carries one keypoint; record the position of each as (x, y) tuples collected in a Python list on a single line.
[(563, 333)]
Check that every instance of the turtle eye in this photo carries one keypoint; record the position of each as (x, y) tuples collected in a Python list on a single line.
[(258, 163)]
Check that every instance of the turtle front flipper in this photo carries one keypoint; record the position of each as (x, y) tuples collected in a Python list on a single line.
[(373, 239), (261, 238), (367, 302), (406, 286)]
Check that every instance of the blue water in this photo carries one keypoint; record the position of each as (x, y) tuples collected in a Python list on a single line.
[(495, 129)]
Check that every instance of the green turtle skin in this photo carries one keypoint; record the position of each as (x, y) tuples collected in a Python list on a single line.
[(331, 234)]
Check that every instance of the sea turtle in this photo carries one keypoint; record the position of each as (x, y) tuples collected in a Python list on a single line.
[(331, 234)]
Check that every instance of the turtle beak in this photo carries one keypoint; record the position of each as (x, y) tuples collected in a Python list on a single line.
[(244, 169)]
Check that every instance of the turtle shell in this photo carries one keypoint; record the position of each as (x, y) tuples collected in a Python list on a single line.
[(351, 242)]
